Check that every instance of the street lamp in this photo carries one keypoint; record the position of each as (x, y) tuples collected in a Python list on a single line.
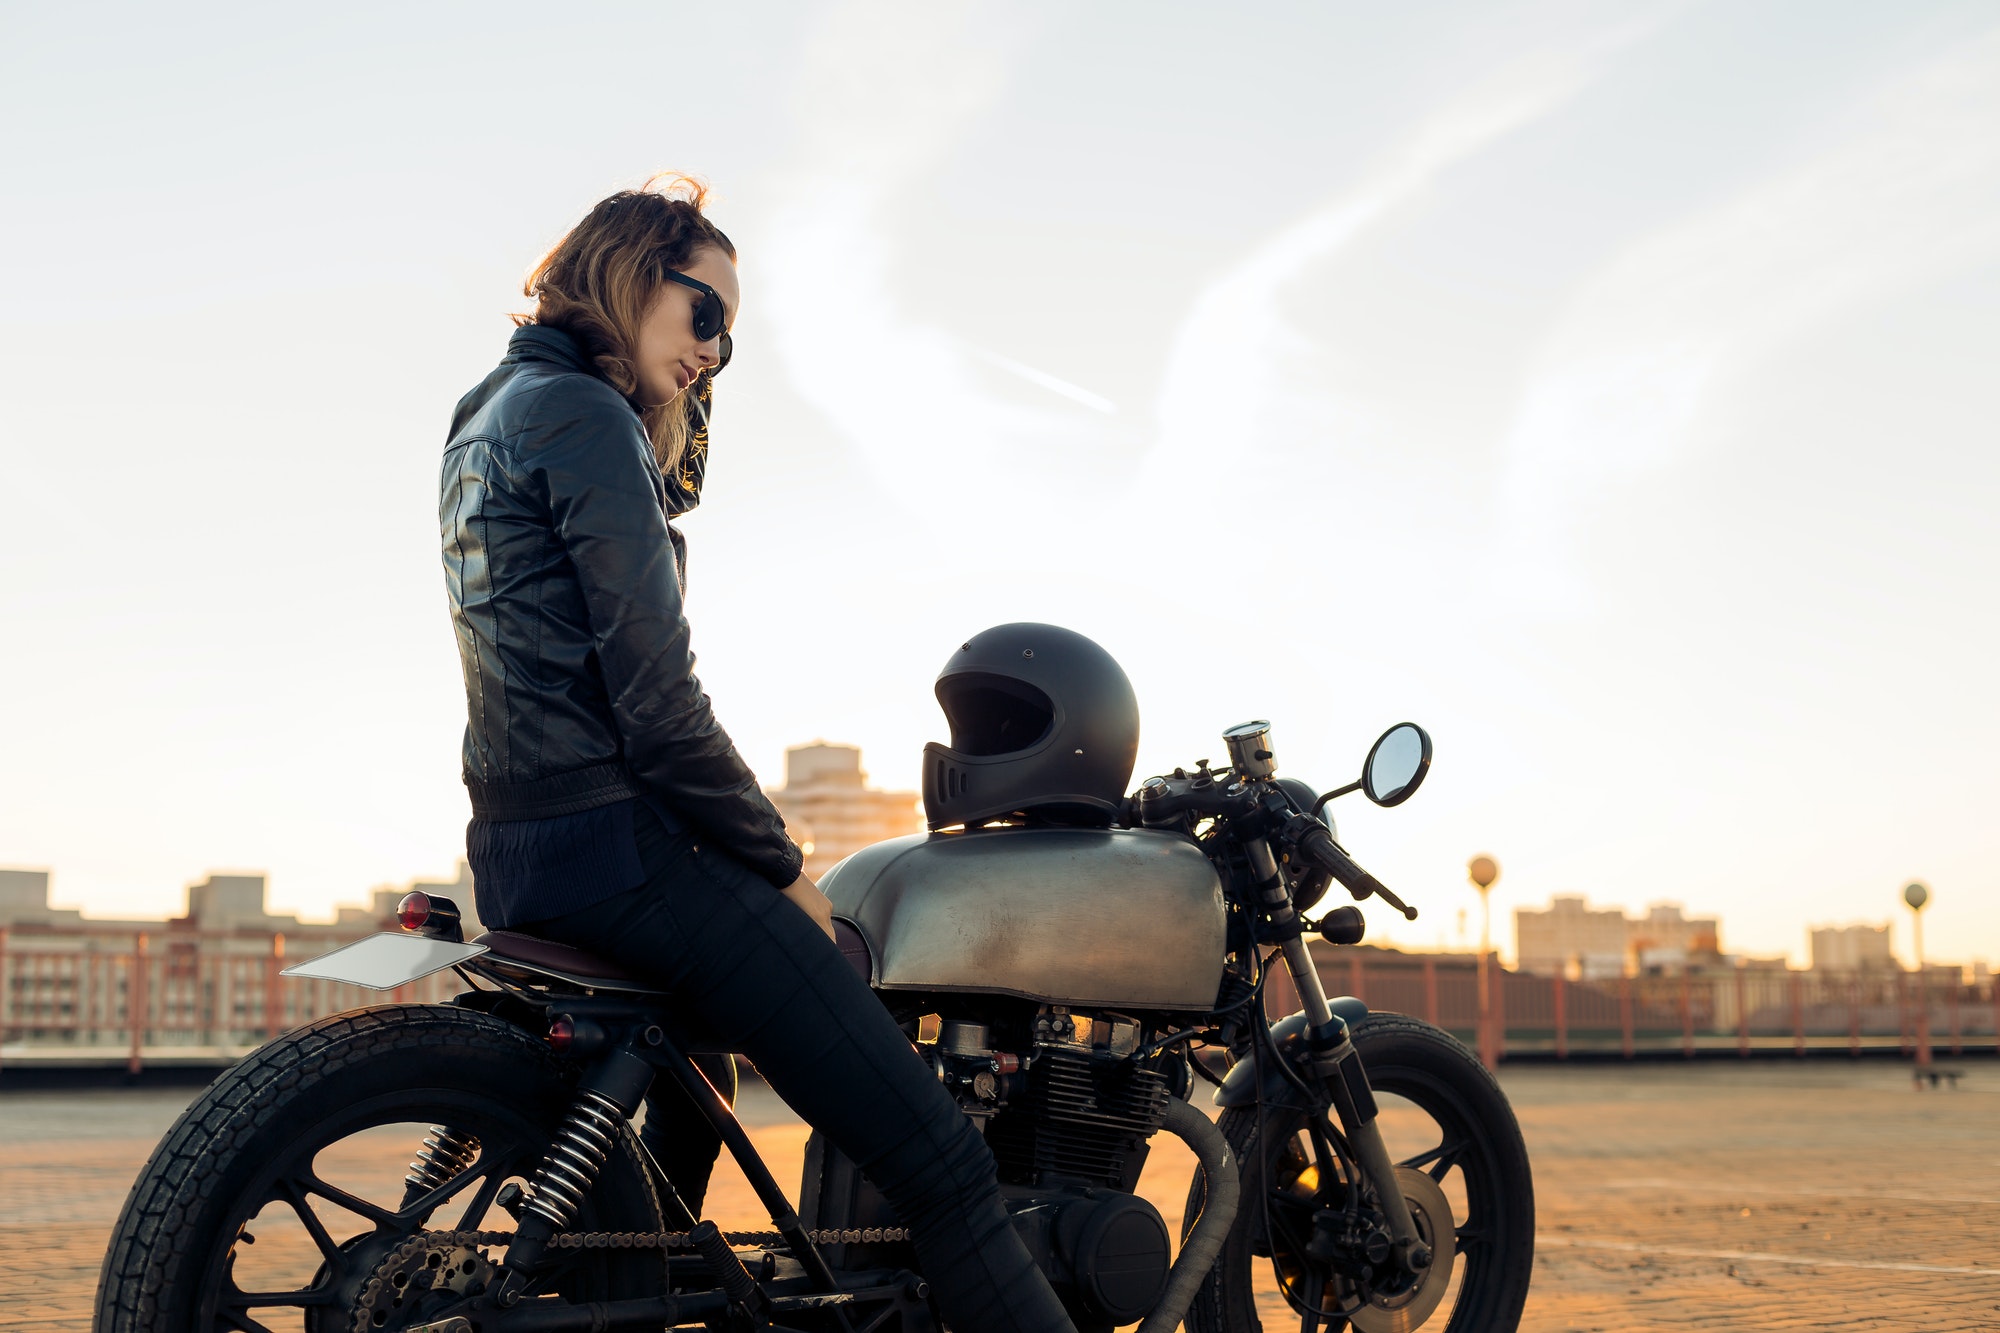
[(1483, 871), (1916, 894)]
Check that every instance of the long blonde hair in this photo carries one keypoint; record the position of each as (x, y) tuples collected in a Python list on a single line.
[(600, 280)]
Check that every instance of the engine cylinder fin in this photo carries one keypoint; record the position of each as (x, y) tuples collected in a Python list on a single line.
[(1081, 1119)]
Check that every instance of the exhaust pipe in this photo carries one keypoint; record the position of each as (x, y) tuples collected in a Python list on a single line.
[(1218, 1211)]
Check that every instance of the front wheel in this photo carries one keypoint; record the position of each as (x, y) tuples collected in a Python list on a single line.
[(1443, 1116), (280, 1199)]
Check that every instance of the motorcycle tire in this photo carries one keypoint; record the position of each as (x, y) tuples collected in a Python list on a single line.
[(1418, 1063), (253, 1140)]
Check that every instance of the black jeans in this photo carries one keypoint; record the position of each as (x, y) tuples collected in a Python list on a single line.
[(756, 973)]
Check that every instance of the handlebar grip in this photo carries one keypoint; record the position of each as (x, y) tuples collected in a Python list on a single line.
[(1319, 845)]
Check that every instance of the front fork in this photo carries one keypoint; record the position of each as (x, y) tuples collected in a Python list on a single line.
[(1330, 1055)]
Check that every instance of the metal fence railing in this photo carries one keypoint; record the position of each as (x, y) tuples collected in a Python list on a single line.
[(1733, 1010), (168, 997), (188, 997)]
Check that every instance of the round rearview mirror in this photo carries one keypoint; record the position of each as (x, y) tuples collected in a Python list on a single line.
[(1397, 765)]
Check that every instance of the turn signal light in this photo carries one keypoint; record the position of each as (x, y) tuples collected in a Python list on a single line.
[(414, 910), (1343, 925), (562, 1033)]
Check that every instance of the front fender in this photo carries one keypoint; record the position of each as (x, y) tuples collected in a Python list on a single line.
[(1239, 1086)]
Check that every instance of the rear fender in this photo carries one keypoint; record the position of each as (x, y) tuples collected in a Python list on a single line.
[(1239, 1086)]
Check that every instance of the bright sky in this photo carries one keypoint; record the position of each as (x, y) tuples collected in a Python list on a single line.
[(1608, 387)]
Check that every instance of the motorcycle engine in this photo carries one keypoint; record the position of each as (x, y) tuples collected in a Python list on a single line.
[(1067, 1113)]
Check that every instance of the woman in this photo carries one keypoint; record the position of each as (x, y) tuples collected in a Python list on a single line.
[(610, 810)]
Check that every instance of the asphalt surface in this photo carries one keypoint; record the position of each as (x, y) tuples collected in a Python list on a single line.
[(1757, 1196)]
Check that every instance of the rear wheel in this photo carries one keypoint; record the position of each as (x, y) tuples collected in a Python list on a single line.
[(1445, 1121), (279, 1200)]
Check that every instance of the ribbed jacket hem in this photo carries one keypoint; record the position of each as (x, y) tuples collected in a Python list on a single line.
[(568, 793)]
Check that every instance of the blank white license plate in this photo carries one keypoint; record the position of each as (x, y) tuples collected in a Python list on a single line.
[(386, 961)]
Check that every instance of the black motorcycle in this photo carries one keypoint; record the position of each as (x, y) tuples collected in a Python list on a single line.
[(1068, 985)]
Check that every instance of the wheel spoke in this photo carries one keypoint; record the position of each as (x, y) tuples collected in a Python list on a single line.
[(1324, 1157), (329, 1248), (1440, 1160), (423, 1205), (235, 1303), (353, 1203), (1470, 1236), (482, 1200), (248, 1300)]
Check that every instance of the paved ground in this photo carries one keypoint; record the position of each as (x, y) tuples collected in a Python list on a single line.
[(1714, 1196)]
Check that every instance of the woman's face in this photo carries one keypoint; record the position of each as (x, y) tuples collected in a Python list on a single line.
[(669, 356)]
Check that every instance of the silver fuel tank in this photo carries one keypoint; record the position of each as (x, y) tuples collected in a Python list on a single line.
[(1118, 918)]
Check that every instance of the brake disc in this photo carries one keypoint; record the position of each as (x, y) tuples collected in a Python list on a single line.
[(424, 1271), (1405, 1310)]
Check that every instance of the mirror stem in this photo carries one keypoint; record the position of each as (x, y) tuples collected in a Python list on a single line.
[(1337, 791)]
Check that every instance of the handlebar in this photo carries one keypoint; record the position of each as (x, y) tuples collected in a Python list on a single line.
[(1219, 795), (1318, 844)]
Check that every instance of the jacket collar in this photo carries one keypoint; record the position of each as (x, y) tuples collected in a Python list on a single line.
[(539, 342)]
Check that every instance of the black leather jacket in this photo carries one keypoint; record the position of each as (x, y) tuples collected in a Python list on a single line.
[(565, 591)]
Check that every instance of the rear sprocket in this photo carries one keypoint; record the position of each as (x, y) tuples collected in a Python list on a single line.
[(424, 1275)]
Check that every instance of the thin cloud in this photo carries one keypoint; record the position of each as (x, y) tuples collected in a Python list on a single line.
[(1236, 320), (1041, 379), (886, 90), (1914, 193)]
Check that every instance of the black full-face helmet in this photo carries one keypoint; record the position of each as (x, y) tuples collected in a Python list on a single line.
[(1043, 725)]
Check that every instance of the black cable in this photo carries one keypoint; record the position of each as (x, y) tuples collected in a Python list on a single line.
[(1158, 1044), (1206, 1073), (1263, 1028)]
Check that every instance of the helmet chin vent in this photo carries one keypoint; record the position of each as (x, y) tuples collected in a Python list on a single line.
[(951, 781)]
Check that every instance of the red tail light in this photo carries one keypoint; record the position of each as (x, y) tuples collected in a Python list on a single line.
[(414, 910), (562, 1031)]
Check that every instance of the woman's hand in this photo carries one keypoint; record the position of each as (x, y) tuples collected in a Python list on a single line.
[(812, 902)]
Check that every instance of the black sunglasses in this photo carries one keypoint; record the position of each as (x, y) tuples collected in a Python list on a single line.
[(709, 316)]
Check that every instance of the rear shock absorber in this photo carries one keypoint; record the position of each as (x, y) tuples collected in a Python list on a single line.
[(610, 1091), (445, 1153), (576, 1155)]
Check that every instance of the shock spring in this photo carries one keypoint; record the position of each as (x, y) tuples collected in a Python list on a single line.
[(577, 1154), (445, 1153)]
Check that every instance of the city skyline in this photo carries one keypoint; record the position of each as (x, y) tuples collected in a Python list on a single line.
[(344, 909), (827, 778), (1605, 388), (831, 810)]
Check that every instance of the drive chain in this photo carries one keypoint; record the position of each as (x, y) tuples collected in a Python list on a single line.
[(426, 1261), (667, 1240)]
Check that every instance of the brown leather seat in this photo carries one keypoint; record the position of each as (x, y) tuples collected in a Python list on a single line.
[(852, 946), (578, 965), (558, 958)]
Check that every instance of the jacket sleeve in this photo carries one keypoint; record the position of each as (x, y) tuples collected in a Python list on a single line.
[(587, 450)]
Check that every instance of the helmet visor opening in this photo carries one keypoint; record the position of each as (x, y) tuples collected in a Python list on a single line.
[(992, 715)]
